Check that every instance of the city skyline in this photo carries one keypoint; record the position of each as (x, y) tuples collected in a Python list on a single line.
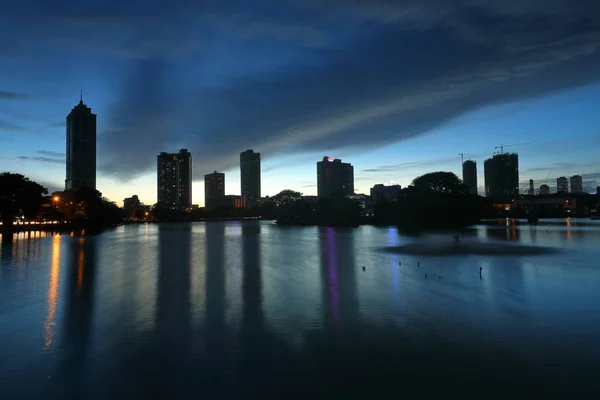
[(387, 115)]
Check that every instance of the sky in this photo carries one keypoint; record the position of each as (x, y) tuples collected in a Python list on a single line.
[(396, 87)]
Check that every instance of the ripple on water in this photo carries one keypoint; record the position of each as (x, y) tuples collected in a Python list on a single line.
[(465, 248)]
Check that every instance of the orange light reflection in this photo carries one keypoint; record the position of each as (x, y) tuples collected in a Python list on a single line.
[(52, 293)]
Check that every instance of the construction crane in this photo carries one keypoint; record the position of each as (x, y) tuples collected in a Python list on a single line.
[(502, 146)]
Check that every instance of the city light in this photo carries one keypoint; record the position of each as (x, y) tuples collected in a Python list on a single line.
[(56, 198)]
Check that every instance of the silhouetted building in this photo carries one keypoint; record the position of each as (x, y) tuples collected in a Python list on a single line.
[(214, 190), (132, 206), (334, 178), (81, 148), (470, 175), (381, 191), (544, 189), (232, 200), (576, 184), (250, 177), (174, 179), (562, 185), (502, 175)]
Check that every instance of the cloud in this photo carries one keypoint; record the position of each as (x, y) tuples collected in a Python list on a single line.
[(350, 74), (51, 153), (43, 159), (7, 95), (392, 82), (9, 126)]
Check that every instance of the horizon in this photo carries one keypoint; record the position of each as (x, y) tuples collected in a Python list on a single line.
[(396, 89)]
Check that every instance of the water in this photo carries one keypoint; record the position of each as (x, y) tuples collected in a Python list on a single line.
[(230, 310)]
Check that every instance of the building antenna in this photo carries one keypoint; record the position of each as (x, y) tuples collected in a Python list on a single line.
[(81, 96), (462, 158)]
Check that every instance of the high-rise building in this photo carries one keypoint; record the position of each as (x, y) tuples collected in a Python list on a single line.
[(544, 189), (174, 179), (470, 175), (81, 148), (334, 178), (214, 190), (250, 177), (531, 189), (502, 175), (576, 184), (562, 185)]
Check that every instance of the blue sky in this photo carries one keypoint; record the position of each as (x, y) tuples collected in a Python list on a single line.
[(397, 88)]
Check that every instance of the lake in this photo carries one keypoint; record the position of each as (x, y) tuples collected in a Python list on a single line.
[(238, 309)]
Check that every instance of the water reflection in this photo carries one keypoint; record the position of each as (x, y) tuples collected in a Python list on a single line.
[(173, 330), (81, 273), (338, 275), (252, 296), (215, 298), (50, 323)]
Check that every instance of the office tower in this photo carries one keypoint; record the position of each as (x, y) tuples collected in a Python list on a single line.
[(174, 179), (250, 177), (531, 190), (214, 190), (470, 175), (81, 148), (562, 185), (544, 189), (334, 178), (576, 184), (502, 175)]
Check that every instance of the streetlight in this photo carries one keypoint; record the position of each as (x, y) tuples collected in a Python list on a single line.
[(56, 199)]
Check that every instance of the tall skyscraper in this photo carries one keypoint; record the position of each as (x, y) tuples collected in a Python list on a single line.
[(174, 179), (562, 185), (576, 184), (470, 175), (334, 178), (214, 190), (502, 175), (81, 148), (250, 177)]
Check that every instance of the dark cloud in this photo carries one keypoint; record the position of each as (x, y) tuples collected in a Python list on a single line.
[(43, 159), (357, 75), (417, 66)]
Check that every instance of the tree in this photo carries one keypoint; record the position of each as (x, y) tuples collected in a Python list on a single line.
[(438, 200), (286, 197), (440, 182), (18, 195)]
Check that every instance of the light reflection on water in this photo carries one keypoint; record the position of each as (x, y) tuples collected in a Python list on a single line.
[(223, 299)]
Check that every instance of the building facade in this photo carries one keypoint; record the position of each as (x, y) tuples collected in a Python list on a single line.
[(469, 170), (562, 185), (250, 177), (174, 179), (576, 184), (132, 206), (334, 178), (214, 190), (381, 191), (81, 148), (502, 175)]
